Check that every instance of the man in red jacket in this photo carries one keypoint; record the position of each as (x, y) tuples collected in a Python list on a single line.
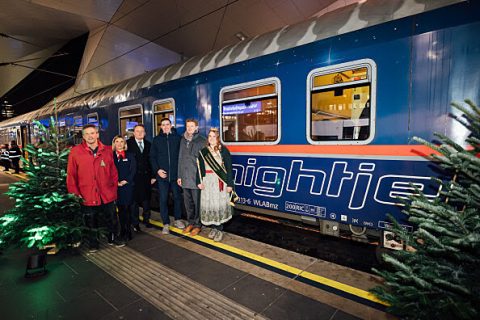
[(92, 175)]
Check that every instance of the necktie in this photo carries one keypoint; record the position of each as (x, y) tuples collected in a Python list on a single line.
[(140, 145)]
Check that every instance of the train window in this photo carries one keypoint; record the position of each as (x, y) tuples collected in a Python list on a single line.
[(62, 127), (128, 118), (341, 106), (3, 136), (77, 129), (77, 123), (250, 112), (163, 109), (92, 118)]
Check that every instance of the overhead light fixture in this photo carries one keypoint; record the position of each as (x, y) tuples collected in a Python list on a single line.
[(240, 36)]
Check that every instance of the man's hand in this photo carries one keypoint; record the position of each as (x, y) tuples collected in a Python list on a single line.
[(152, 181), (229, 189), (122, 183), (201, 186), (162, 173), (179, 182)]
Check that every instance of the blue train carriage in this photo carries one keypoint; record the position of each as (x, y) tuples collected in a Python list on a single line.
[(318, 116)]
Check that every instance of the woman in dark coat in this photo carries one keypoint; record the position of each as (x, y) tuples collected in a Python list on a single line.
[(126, 167)]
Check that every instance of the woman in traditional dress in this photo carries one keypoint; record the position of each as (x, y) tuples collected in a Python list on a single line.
[(126, 167), (215, 180)]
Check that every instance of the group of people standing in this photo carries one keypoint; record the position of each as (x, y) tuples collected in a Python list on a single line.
[(10, 156), (122, 178)]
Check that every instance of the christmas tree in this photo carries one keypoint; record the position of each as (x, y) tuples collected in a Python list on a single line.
[(44, 212), (439, 276)]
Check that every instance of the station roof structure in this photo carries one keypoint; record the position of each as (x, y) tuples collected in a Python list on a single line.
[(153, 41), (126, 37)]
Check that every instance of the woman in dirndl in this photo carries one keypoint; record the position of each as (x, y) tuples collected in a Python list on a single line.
[(215, 180)]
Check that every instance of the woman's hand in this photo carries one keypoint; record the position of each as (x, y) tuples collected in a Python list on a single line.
[(201, 186), (122, 183), (229, 189)]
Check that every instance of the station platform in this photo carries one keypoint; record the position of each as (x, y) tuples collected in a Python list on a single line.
[(175, 276)]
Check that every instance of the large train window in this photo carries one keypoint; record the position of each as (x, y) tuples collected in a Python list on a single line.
[(250, 112), (128, 118), (92, 118), (164, 108), (341, 103)]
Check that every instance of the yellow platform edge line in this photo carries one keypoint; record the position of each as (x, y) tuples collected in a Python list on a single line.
[(295, 271)]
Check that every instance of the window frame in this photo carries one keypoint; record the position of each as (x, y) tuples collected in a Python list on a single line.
[(119, 118), (154, 113), (371, 79), (246, 85), (98, 119)]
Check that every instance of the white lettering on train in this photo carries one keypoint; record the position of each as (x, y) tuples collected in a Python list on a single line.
[(273, 181)]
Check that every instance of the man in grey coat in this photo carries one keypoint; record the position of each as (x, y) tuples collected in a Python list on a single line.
[(190, 145)]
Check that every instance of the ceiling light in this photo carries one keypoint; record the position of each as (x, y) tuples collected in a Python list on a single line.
[(241, 36)]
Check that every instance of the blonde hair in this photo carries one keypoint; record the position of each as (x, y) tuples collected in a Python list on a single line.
[(118, 137)]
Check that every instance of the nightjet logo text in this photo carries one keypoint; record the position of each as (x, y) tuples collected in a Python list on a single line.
[(353, 182)]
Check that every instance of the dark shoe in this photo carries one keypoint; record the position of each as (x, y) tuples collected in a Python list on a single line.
[(93, 248), (148, 225), (137, 229), (119, 243)]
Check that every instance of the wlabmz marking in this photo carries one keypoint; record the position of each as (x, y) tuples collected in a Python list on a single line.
[(342, 186)]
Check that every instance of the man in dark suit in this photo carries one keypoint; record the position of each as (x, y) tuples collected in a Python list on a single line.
[(143, 176)]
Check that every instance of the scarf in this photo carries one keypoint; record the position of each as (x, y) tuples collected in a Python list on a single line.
[(121, 155)]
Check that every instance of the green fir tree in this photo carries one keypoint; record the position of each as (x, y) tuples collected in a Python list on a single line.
[(44, 212), (439, 277)]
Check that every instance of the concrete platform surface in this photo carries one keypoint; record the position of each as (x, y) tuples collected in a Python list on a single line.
[(176, 276)]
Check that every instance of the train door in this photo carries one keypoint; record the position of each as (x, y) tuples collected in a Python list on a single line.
[(77, 129), (24, 136), (128, 118), (164, 108)]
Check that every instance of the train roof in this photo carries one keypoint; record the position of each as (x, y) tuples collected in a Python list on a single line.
[(349, 18)]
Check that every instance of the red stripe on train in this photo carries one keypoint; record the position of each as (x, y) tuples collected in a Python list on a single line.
[(371, 150)]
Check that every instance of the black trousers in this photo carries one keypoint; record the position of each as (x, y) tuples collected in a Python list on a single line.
[(97, 217), (6, 164), (16, 165), (191, 199), (135, 212), (124, 219)]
